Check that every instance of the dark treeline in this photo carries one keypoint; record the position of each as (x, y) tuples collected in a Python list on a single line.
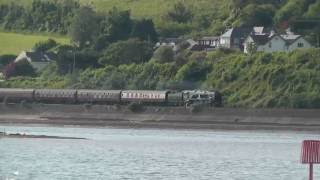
[(49, 16)]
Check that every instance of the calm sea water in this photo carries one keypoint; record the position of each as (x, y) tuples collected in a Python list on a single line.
[(153, 154)]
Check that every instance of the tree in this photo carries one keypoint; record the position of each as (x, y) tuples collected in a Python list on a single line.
[(257, 15), (84, 27), (252, 48), (117, 25), (193, 72), (127, 52), (44, 46), (6, 59), (164, 54), (180, 13), (69, 59), (144, 30), (23, 68)]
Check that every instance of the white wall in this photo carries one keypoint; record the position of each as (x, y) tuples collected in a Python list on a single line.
[(294, 45), (225, 42), (246, 43), (276, 44)]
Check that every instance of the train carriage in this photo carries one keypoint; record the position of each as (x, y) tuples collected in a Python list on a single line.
[(55, 95), (99, 96), (144, 96), (16, 95)]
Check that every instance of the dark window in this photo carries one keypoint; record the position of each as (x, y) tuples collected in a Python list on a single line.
[(300, 44)]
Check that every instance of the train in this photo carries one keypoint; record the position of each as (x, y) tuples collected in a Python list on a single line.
[(73, 96)]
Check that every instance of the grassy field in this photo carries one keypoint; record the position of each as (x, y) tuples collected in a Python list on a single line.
[(141, 8), (13, 43)]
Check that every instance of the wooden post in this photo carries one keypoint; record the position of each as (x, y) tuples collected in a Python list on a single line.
[(311, 172)]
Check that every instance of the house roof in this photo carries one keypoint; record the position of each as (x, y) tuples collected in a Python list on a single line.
[(290, 38), (260, 39), (228, 33), (208, 38), (171, 40), (258, 30), (36, 56)]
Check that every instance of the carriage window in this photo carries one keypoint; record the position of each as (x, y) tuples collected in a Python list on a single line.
[(204, 96), (195, 96)]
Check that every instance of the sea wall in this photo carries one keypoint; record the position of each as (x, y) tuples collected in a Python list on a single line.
[(162, 117)]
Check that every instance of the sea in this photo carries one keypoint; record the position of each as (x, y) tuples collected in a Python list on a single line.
[(112, 153)]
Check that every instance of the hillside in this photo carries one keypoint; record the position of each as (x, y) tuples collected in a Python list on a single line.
[(139, 8), (207, 17), (13, 43)]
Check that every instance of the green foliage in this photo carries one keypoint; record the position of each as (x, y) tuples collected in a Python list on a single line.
[(268, 80), (23, 68), (179, 13), (6, 59), (193, 71), (313, 11), (172, 18), (84, 27), (70, 58), (117, 25), (144, 29), (252, 48), (164, 54), (49, 16), (44, 46), (257, 15), (127, 52)]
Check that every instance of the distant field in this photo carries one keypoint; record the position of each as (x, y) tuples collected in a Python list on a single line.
[(12, 43), (141, 8)]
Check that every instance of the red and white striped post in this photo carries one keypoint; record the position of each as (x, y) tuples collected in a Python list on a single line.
[(310, 154)]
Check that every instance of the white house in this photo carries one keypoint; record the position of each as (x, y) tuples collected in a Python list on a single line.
[(234, 38), (38, 60), (297, 42), (275, 42)]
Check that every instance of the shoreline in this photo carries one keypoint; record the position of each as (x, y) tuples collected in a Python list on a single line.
[(161, 118), (30, 136)]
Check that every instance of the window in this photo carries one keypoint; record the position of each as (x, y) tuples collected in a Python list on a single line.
[(300, 44), (204, 96)]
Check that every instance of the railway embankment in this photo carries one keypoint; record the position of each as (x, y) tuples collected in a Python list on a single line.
[(161, 117)]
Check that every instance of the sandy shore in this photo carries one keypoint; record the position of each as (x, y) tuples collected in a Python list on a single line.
[(161, 117)]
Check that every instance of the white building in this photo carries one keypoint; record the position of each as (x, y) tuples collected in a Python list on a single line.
[(272, 42)]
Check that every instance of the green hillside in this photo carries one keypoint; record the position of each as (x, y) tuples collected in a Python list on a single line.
[(12, 43), (154, 8), (140, 8)]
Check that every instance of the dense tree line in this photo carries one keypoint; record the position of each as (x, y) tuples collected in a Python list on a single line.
[(50, 16)]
